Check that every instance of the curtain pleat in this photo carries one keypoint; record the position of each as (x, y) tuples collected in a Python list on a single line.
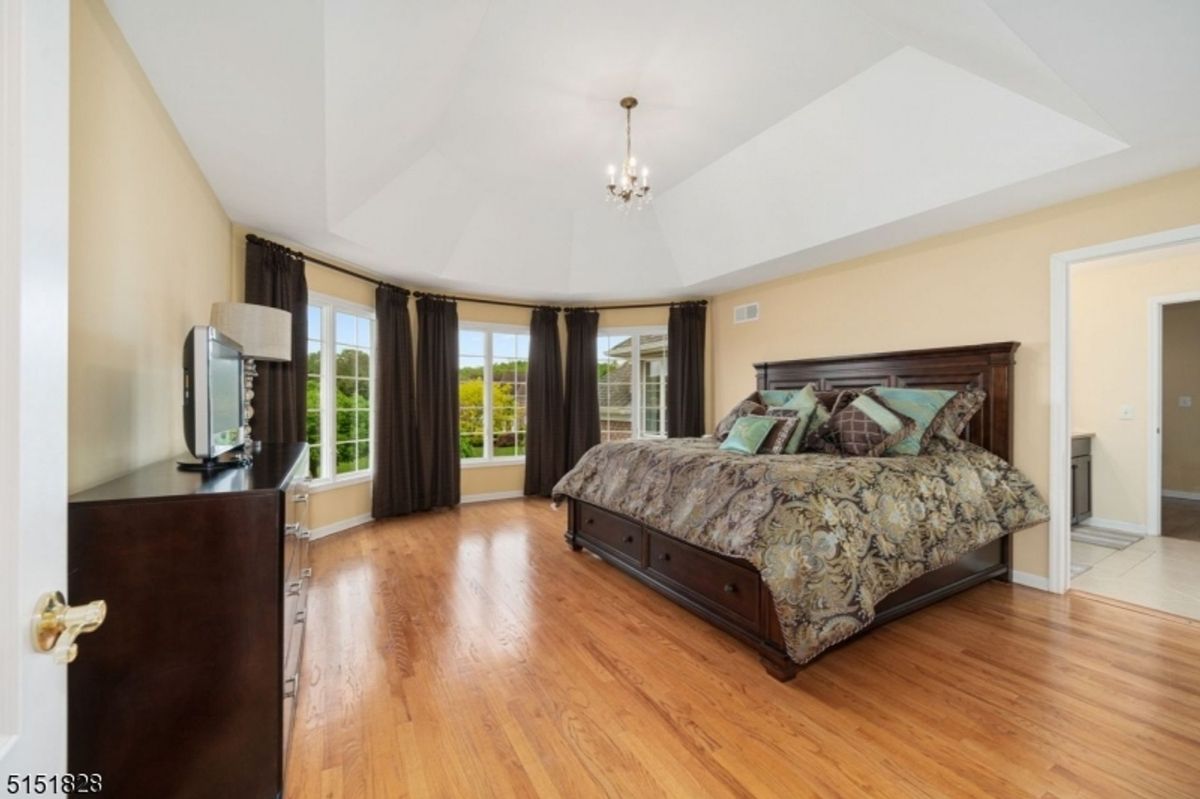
[(546, 428), (582, 392), (275, 277), (685, 370), (437, 403), (395, 487)]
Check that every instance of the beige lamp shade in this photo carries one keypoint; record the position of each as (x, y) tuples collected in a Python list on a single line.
[(264, 333)]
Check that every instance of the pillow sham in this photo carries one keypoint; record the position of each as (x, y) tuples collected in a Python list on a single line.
[(746, 407), (922, 405), (864, 427), (774, 398), (952, 419), (748, 433), (789, 435)]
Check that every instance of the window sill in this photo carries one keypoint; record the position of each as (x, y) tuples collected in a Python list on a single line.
[(332, 483), (480, 463)]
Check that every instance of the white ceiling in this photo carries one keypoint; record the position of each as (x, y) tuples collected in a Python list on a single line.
[(462, 144)]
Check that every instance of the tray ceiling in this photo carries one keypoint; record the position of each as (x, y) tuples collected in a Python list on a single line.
[(462, 144)]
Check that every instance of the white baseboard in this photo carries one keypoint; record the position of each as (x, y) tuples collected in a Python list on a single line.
[(344, 524), (1114, 524), (469, 498), (1031, 580), (1181, 494)]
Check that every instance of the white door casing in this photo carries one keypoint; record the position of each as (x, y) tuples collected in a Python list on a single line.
[(34, 158)]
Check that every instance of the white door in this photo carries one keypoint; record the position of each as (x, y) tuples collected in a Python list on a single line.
[(34, 96)]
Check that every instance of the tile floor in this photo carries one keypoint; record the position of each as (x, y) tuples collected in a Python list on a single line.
[(1159, 572)]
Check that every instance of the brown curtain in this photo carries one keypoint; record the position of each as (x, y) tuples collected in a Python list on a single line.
[(437, 403), (275, 277), (685, 370), (395, 489), (582, 393), (546, 438)]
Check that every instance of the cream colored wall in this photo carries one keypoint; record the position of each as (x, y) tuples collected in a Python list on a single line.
[(1181, 377), (149, 254), (1109, 368), (987, 283)]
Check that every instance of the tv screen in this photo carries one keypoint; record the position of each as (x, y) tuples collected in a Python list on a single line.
[(212, 392)]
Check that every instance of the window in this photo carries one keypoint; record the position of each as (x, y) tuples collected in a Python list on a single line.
[(492, 364), (631, 371), (340, 422)]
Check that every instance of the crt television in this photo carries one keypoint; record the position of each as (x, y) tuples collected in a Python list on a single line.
[(212, 393)]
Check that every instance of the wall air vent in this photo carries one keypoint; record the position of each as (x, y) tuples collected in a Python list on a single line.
[(745, 313)]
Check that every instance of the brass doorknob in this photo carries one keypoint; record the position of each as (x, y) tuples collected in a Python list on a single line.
[(56, 624)]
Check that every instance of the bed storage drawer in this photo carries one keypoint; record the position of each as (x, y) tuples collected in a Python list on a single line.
[(620, 535), (727, 587)]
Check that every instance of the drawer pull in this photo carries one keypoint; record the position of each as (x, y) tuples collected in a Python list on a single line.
[(289, 686), (300, 498), (628, 539), (305, 535), (665, 556), (291, 529), (305, 573), (293, 588), (301, 616), (730, 588), (589, 521)]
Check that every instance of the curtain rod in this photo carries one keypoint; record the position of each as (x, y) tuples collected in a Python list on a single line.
[(511, 304)]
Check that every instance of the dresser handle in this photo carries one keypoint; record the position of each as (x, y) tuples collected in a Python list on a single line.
[(628, 539), (301, 616), (665, 556), (291, 529), (293, 588), (305, 535), (300, 498), (305, 573), (289, 686), (730, 588), (589, 521)]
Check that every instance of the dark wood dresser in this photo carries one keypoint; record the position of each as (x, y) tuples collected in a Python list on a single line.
[(188, 688)]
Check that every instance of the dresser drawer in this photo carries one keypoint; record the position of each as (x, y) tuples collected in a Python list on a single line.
[(618, 534), (727, 587)]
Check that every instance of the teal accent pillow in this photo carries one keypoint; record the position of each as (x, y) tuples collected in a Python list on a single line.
[(775, 398), (922, 405), (804, 402), (748, 434)]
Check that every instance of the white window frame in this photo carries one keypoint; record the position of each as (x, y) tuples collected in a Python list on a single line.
[(329, 307), (637, 423), (488, 459)]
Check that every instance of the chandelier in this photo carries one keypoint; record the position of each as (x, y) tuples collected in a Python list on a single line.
[(627, 189)]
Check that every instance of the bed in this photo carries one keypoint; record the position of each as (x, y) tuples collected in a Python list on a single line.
[(733, 586)]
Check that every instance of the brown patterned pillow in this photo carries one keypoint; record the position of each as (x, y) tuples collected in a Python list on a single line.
[(954, 416), (862, 427), (777, 440), (747, 407)]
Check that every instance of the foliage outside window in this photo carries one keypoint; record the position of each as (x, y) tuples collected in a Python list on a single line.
[(631, 371), (492, 367), (340, 421)]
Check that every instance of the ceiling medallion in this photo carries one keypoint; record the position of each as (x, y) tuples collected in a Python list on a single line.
[(628, 190)]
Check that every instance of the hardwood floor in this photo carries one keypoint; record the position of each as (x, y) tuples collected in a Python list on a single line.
[(464, 654)]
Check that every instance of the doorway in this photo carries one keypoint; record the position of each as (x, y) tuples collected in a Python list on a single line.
[(1122, 315)]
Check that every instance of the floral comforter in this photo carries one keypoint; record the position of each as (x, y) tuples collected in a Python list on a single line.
[(832, 536)]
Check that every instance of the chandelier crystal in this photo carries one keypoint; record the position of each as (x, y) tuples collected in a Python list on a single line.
[(627, 189)]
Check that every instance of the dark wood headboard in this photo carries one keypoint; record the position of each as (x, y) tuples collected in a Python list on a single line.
[(987, 366)]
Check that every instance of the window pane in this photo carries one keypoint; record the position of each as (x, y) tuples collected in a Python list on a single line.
[(364, 333), (313, 428), (314, 322), (364, 363), (345, 427), (314, 358), (470, 342), (504, 346), (345, 328), (364, 393), (312, 396), (344, 362), (314, 463), (470, 445), (363, 430), (364, 455), (346, 393), (504, 445), (346, 458)]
